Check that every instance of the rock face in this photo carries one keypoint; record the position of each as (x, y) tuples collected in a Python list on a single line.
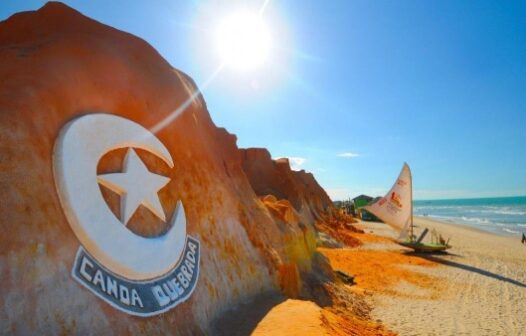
[(56, 65), (275, 177)]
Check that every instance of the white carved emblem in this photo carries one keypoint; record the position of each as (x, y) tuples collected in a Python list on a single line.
[(147, 268)]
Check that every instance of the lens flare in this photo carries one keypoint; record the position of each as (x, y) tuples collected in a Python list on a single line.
[(243, 41)]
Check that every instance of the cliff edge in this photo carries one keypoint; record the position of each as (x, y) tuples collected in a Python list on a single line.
[(57, 65)]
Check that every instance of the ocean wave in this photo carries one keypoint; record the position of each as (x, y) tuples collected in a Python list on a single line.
[(474, 209), (476, 220), (511, 231), (463, 219), (503, 219), (482, 223), (511, 212)]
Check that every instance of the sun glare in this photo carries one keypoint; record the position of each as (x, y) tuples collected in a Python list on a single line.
[(243, 41)]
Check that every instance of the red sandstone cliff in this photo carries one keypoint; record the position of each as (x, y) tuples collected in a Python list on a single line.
[(275, 177), (55, 65)]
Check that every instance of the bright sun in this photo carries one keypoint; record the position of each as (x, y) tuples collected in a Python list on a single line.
[(243, 41)]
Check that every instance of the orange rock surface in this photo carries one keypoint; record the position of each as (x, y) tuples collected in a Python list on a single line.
[(275, 177), (305, 318), (55, 65), (349, 314), (339, 225), (381, 271)]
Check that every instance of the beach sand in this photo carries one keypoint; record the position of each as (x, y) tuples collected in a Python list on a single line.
[(478, 288)]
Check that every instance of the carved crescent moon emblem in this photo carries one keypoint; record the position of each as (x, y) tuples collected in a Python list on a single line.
[(80, 145)]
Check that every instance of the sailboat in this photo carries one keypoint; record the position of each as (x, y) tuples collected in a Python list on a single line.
[(396, 210)]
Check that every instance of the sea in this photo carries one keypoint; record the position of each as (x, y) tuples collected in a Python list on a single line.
[(502, 215)]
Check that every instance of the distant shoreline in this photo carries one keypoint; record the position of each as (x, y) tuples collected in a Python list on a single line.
[(503, 216), (465, 226), (468, 198)]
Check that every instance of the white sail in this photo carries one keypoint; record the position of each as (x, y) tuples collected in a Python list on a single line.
[(395, 208)]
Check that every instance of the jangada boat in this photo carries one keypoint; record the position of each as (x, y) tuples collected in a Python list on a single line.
[(396, 210)]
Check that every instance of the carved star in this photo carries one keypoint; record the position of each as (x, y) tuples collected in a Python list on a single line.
[(137, 186)]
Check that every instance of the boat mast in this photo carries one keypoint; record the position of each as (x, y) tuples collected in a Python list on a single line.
[(411, 190), (412, 234)]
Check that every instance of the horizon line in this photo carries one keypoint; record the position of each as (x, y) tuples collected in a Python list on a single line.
[(443, 199)]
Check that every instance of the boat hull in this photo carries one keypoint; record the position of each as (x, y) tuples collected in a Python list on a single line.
[(428, 248)]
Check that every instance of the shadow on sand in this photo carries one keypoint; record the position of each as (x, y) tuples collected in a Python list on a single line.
[(245, 317), (468, 268)]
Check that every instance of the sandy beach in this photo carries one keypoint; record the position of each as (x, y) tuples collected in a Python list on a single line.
[(478, 288)]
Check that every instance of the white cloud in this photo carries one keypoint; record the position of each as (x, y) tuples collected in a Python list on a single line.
[(296, 162), (338, 194), (348, 155)]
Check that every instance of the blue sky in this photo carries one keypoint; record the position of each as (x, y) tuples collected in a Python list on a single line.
[(439, 84)]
